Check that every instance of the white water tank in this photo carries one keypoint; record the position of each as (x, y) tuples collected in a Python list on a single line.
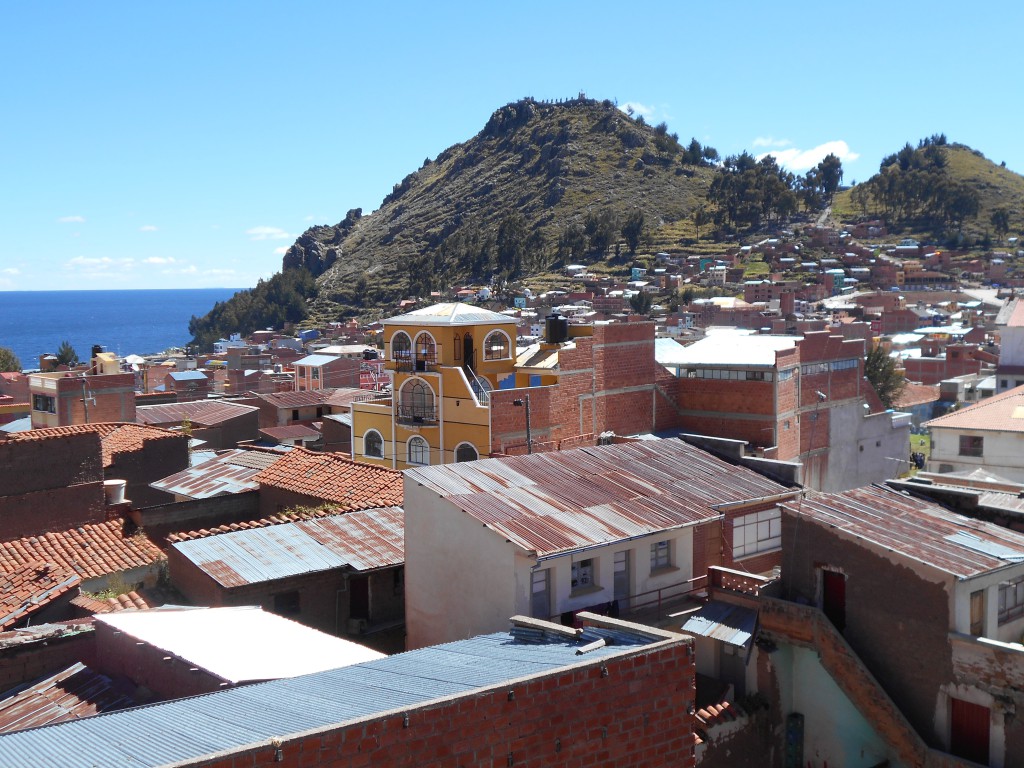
[(113, 490)]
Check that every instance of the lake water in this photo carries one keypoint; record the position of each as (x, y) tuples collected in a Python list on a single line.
[(126, 322)]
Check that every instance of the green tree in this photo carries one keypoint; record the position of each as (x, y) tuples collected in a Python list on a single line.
[(884, 376), (66, 354), (1001, 221), (641, 302), (830, 172), (633, 229), (701, 217), (9, 362)]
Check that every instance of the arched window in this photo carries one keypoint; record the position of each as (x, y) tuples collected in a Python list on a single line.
[(416, 402), (426, 354), (401, 346), (373, 444), (419, 451), (466, 452), (497, 346)]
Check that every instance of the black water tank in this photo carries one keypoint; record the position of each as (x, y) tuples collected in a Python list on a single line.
[(556, 329)]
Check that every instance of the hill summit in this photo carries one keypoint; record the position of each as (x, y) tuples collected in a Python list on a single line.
[(542, 183)]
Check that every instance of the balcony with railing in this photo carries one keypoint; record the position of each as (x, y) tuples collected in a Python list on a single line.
[(419, 362), (416, 415)]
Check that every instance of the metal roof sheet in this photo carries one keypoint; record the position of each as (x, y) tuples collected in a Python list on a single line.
[(732, 624), (316, 361), (204, 413), (564, 500), (363, 540), (450, 314), (189, 729), (916, 529), (70, 694), (229, 472)]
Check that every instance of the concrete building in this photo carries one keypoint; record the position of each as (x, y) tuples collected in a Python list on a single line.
[(98, 394), (321, 371), (623, 529), (1010, 369), (987, 435)]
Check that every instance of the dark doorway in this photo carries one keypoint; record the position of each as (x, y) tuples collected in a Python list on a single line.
[(359, 597), (467, 351), (968, 731), (833, 597)]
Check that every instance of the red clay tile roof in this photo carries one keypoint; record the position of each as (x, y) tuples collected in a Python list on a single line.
[(115, 437), (130, 601), (90, 550), (30, 587), (335, 480), (999, 413), (917, 394)]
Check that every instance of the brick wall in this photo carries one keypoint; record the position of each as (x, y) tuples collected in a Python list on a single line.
[(153, 461), (50, 653), (635, 715), (111, 398), (198, 513), (896, 621), (50, 484)]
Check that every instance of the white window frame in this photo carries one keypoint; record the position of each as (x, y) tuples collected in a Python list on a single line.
[(661, 555), (406, 354), (757, 533), (583, 574), (507, 351), (425, 450), (465, 444), (381, 437)]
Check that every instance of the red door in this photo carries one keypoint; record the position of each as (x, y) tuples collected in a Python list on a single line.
[(833, 601), (968, 731)]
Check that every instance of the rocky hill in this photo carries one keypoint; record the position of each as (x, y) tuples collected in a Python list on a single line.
[(542, 184)]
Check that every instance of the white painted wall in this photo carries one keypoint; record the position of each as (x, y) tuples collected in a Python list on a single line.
[(458, 573), (835, 733), (1002, 452)]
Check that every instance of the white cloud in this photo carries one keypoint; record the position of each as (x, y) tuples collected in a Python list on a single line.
[(11, 271), (281, 251), (189, 270), (159, 260), (218, 271), (72, 219), (770, 141), (804, 159), (267, 233), (638, 109), (147, 228), (101, 264)]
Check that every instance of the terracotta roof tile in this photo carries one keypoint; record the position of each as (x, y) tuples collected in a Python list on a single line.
[(263, 522), (115, 437), (90, 550), (30, 587), (130, 601), (335, 480), (1000, 413)]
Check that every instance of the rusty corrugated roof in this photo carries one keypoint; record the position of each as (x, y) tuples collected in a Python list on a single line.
[(364, 540), (68, 695), (915, 529), (230, 472), (201, 413), (555, 502)]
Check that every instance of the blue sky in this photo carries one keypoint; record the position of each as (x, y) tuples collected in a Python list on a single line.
[(187, 144)]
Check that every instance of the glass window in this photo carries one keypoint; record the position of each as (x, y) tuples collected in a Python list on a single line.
[(1011, 600), (466, 452), (496, 346), (417, 401), (583, 573), (971, 445), (419, 451), (661, 555), (401, 346), (757, 532), (373, 444)]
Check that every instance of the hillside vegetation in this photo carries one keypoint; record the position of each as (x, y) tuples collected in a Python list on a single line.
[(541, 185), (940, 191)]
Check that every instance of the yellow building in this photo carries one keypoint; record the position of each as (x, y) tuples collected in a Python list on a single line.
[(445, 361)]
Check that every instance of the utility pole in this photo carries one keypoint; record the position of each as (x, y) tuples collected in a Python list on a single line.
[(525, 402)]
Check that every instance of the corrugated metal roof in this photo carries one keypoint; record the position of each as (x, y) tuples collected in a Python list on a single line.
[(372, 538), (229, 472), (555, 502), (203, 413), (189, 729), (316, 361), (732, 624), (73, 693), (450, 314), (916, 529)]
